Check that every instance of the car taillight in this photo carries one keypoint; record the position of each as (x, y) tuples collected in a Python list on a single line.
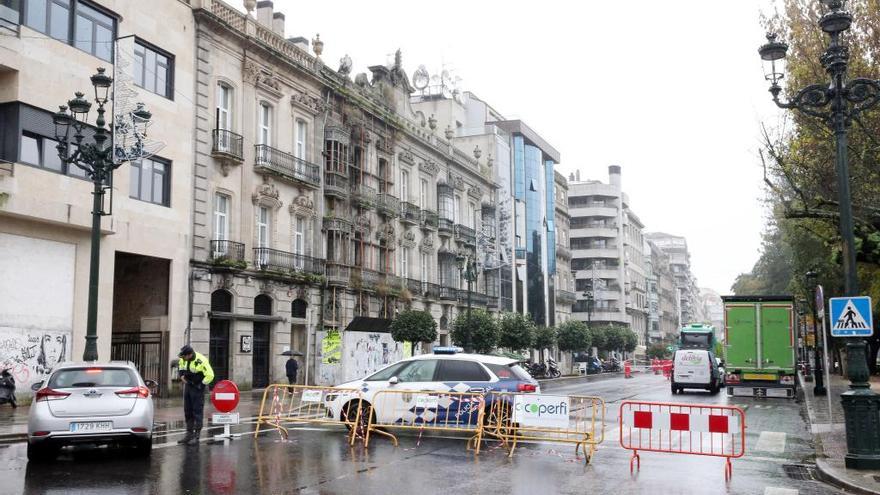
[(134, 393), (526, 387), (732, 378), (47, 394)]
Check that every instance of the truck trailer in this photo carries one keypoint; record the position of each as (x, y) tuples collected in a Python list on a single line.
[(759, 346)]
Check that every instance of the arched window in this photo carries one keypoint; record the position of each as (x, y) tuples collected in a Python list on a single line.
[(262, 305), (221, 301), (443, 322), (298, 308)]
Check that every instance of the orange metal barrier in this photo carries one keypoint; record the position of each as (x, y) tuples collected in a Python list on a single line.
[(426, 411), (695, 429), (284, 404), (513, 417)]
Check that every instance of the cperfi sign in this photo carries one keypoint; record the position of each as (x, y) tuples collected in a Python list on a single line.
[(541, 410)]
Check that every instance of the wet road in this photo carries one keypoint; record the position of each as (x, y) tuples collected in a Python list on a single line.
[(318, 460)]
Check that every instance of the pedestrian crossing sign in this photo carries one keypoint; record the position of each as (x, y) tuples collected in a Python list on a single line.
[(851, 317)]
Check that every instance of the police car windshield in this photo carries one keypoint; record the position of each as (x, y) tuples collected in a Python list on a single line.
[(387, 373)]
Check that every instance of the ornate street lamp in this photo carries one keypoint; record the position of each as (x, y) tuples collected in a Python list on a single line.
[(837, 103), (98, 161), (467, 267)]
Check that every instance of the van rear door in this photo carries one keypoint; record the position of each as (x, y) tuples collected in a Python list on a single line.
[(692, 367)]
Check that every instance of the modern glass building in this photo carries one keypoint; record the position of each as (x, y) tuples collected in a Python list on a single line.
[(534, 230)]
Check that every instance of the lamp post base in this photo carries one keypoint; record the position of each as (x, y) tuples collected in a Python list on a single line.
[(861, 411)]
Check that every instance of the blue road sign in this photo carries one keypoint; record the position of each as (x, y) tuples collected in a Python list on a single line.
[(851, 317)]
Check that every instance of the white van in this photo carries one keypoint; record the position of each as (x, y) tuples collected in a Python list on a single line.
[(695, 368)]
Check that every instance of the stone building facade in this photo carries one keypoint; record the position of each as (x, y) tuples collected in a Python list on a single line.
[(323, 205)]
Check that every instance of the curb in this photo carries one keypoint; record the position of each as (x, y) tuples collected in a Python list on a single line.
[(13, 438), (825, 474), (586, 378)]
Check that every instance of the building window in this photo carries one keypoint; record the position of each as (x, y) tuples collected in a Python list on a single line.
[(404, 185), (73, 22), (221, 217), (299, 233), (42, 152), (458, 207), (153, 70), (423, 194), (472, 215), (263, 219), (423, 268), (301, 133), (264, 133), (150, 180), (404, 262), (224, 106)]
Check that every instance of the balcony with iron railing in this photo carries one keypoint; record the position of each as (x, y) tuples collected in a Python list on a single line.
[(338, 274), (337, 224), (565, 296), (432, 291), (429, 219), (363, 195), (228, 253), (283, 261), (445, 227), (465, 234), (415, 287), (409, 213), (286, 166), (227, 145), (388, 204), (336, 184), (448, 293)]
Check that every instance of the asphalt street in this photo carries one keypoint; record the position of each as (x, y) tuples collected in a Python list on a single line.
[(318, 460)]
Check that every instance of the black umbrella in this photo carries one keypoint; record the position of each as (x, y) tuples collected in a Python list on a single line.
[(291, 353)]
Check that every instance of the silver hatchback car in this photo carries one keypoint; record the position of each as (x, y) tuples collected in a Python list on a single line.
[(94, 403)]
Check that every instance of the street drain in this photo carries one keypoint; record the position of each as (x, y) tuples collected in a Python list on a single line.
[(799, 472)]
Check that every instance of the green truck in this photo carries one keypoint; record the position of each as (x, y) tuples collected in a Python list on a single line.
[(759, 346)]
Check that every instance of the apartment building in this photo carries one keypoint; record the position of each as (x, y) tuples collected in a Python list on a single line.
[(675, 247), (48, 51)]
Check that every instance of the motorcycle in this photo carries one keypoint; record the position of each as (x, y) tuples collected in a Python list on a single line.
[(552, 370), (7, 389), (611, 365)]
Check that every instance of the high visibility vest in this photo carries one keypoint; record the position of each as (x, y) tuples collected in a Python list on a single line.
[(198, 364)]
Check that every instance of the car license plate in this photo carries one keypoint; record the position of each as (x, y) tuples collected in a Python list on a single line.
[(92, 426), (759, 376)]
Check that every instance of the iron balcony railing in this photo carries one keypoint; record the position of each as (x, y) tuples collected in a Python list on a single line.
[(286, 165), (465, 234), (338, 273), (274, 259), (415, 287), (445, 226), (409, 213), (429, 219), (432, 291), (363, 195), (227, 143), (393, 281), (448, 293), (337, 223), (223, 250), (388, 204), (336, 184), (370, 278)]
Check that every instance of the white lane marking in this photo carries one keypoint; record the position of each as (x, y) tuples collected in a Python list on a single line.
[(771, 441), (772, 490)]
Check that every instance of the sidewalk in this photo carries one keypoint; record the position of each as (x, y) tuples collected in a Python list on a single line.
[(168, 415), (829, 434)]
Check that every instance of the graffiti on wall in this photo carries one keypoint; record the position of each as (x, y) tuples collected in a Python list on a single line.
[(367, 353), (31, 356)]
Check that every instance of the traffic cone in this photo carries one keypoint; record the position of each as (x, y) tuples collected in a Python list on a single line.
[(627, 370)]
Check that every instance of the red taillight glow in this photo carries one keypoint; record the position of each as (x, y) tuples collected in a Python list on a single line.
[(94, 370), (47, 394), (526, 387), (134, 393), (139, 430), (40, 433), (733, 378)]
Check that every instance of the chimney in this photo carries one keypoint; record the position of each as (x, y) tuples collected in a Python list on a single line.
[(278, 23), (614, 175), (300, 42), (578, 175), (264, 13), (571, 177)]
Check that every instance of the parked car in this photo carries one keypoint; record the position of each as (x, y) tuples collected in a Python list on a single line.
[(90, 403), (445, 370)]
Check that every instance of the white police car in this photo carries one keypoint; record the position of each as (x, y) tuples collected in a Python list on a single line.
[(446, 370)]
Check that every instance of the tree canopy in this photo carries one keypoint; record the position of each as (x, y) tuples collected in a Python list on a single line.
[(517, 331), (477, 333), (573, 336), (414, 326), (545, 338)]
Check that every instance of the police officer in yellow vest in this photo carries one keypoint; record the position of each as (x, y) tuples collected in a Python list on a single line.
[(195, 372)]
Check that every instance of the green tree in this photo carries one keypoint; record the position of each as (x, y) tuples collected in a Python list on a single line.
[(615, 339), (517, 331), (414, 326), (658, 351), (573, 336), (598, 337), (477, 333), (545, 338), (630, 340)]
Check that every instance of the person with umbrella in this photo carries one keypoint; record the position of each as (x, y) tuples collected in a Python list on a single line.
[(292, 366)]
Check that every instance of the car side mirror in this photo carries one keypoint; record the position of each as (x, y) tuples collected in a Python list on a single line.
[(37, 386), (393, 380)]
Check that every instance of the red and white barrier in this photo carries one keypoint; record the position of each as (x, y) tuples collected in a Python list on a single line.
[(682, 429)]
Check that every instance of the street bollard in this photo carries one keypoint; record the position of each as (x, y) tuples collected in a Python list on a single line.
[(627, 370)]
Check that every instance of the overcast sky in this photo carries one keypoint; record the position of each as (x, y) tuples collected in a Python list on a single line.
[(671, 91)]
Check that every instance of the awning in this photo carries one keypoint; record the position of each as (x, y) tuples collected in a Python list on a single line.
[(368, 324)]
